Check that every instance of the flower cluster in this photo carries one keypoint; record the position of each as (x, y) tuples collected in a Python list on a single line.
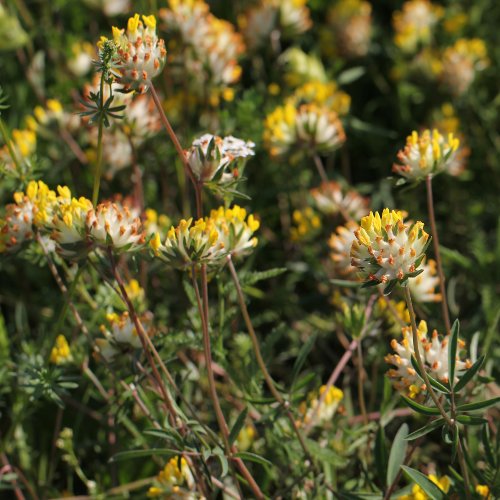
[(319, 412), (306, 224), (417, 493), (61, 352), (308, 127), (351, 24), (387, 249), (461, 62), (120, 332), (414, 23), (340, 244), (141, 55), (435, 357), (209, 48), (425, 154), (172, 477), (207, 241), (212, 156), (423, 286), (331, 199)]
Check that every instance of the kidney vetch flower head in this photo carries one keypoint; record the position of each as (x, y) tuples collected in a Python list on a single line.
[(141, 54), (388, 250), (435, 358), (190, 244), (425, 154)]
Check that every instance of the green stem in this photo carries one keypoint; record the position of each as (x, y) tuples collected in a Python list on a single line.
[(8, 143), (98, 165)]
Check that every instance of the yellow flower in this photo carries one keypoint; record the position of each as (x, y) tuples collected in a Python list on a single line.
[(61, 353), (419, 494), (483, 491), (318, 411), (176, 473), (386, 249), (426, 154), (141, 55)]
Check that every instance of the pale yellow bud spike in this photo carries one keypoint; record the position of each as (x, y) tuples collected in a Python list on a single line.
[(133, 23), (150, 21)]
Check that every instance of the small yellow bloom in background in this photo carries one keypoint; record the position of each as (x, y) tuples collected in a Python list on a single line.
[(61, 352), (306, 224), (317, 412), (171, 478), (246, 438), (483, 491), (417, 493)]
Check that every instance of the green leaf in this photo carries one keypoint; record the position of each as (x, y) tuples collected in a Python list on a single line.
[(397, 454), (419, 408), (435, 424), (252, 278), (238, 425), (381, 455), (452, 350), (324, 454), (219, 453), (426, 484), (478, 405), (486, 439), (253, 457), (469, 374), (125, 455), (471, 420), (346, 283), (301, 358), (350, 75), (169, 435)]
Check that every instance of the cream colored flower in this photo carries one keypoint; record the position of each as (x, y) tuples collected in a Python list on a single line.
[(434, 355), (423, 287), (340, 244), (141, 54), (414, 23), (387, 249), (112, 225), (425, 154), (331, 199)]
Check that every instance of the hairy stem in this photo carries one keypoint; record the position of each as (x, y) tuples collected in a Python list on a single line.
[(260, 360), (207, 351), (142, 336), (437, 253)]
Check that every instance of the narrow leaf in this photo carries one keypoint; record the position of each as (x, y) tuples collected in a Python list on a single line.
[(469, 374), (479, 405), (452, 350), (233, 435), (252, 457), (301, 358), (426, 484), (381, 455), (125, 455), (419, 408), (435, 424), (397, 454)]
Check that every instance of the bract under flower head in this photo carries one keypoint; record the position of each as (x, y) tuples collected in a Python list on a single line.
[(387, 249), (141, 55), (425, 154), (112, 225), (235, 230)]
